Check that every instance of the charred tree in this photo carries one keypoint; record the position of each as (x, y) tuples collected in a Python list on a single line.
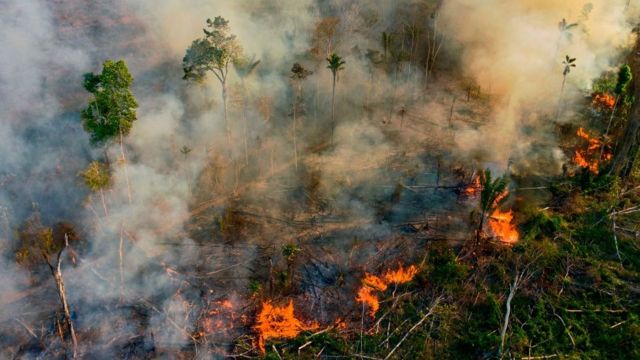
[(56, 272)]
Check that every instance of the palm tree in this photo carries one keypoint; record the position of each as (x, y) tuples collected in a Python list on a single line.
[(568, 63), (244, 68), (491, 197), (299, 73), (335, 64)]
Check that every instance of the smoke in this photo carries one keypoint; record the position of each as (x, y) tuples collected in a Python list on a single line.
[(514, 51), (182, 244)]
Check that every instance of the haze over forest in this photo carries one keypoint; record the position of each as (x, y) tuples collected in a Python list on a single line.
[(319, 179)]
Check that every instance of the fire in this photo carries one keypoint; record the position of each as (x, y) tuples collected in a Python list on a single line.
[(219, 318), (589, 157), (501, 223), (401, 275), (371, 283), (278, 322), (474, 187), (375, 282), (502, 227), (603, 101)]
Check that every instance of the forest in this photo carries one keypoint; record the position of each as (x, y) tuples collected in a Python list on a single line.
[(320, 179)]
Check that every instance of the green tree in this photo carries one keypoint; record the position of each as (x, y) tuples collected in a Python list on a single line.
[(624, 78), (97, 177), (213, 53), (244, 68), (335, 64), (491, 197), (298, 74), (112, 109)]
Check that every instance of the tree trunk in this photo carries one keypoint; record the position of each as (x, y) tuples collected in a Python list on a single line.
[(333, 107), (227, 128), (104, 203), (59, 280), (480, 226), (606, 133), (126, 170), (512, 292), (293, 125)]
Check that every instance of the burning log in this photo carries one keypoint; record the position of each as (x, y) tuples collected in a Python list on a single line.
[(275, 322)]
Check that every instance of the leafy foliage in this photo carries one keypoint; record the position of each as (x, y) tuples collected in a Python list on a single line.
[(214, 52), (97, 176), (112, 109)]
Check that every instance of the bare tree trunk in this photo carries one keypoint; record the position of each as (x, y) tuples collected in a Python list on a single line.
[(606, 133), (126, 169), (480, 226), (244, 124), (293, 125), (59, 280), (121, 261), (227, 127), (559, 111), (512, 292), (333, 107), (104, 203)]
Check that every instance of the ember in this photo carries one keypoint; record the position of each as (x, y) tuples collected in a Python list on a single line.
[(371, 283), (278, 322), (590, 157)]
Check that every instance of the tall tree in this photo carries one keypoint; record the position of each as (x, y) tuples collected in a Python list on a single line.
[(335, 64), (244, 68), (568, 63), (624, 78), (213, 53), (112, 109), (491, 196), (627, 149), (298, 74)]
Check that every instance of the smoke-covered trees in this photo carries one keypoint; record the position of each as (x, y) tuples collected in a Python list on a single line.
[(97, 177), (335, 64), (213, 53), (112, 110), (244, 67), (298, 74)]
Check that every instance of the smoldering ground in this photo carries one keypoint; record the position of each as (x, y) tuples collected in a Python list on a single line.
[(201, 206)]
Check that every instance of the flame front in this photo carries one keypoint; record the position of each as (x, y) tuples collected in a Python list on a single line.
[(278, 322), (589, 157), (371, 283)]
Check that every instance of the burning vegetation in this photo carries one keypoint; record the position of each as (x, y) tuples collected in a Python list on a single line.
[(372, 284), (592, 154), (278, 322), (199, 201)]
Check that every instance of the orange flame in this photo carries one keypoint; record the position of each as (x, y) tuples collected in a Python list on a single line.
[(474, 187), (501, 223), (371, 283), (589, 157), (401, 275), (278, 322), (502, 226), (603, 101)]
